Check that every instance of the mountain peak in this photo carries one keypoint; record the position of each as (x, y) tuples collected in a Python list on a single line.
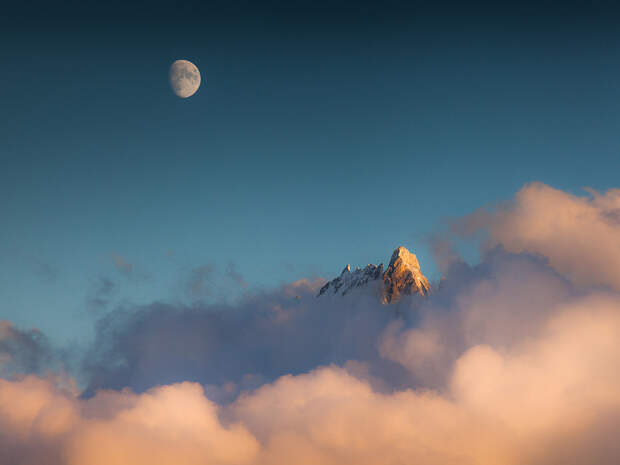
[(402, 276), (407, 257)]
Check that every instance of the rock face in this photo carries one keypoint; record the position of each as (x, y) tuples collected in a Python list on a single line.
[(403, 276)]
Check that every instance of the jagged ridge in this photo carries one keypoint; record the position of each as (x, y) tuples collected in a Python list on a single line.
[(350, 280), (402, 276)]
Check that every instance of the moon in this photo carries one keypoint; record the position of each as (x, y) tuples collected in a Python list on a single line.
[(184, 78)]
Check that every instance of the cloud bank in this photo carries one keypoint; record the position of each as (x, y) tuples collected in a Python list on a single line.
[(579, 235), (510, 361)]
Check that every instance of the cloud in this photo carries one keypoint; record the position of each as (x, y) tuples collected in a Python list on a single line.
[(106, 286), (579, 235), (444, 252), (235, 276), (498, 302), (100, 297), (23, 351), (552, 398), (45, 270), (209, 283), (42, 422), (122, 264), (511, 361), (200, 282), (264, 336)]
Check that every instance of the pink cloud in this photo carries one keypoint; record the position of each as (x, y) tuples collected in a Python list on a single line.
[(579, 235), (527, 403), (511, 364)]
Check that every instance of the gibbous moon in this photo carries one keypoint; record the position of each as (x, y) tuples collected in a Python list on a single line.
[(184, 78)]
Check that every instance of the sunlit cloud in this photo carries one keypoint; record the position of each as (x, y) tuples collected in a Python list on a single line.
[(510, 361), (578, 234)]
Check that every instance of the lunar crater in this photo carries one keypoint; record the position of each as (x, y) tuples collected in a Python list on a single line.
[(184, 78)]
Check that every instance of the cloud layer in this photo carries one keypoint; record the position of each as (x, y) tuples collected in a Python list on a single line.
[(510, 361), (579, 235), (288, 331), (552, 398)]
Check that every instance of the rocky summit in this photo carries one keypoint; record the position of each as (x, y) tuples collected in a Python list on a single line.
[(402, 277)]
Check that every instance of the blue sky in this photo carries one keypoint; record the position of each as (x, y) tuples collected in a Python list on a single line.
[(316, 139)]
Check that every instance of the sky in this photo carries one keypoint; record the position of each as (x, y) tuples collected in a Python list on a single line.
[(308, 118), (160, 257)]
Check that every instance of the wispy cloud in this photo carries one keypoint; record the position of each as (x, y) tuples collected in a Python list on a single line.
[(233, 274), (122, 264), (100, 297), (23, 351), (201, 281)]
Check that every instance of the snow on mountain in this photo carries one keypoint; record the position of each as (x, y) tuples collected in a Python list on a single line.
[(402, 276), (352, 279)]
